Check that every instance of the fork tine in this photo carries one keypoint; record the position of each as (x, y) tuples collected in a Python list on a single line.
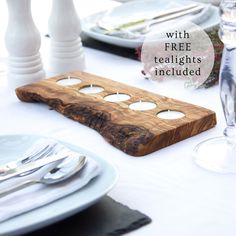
[(40, 149)]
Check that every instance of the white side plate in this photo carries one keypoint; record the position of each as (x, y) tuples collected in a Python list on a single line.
[(12, 147), (136, 9)]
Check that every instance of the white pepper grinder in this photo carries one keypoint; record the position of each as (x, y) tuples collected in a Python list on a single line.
[(66, 51), (22, 41)]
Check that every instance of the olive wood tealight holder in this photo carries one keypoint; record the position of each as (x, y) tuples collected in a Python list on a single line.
[(137, 133)]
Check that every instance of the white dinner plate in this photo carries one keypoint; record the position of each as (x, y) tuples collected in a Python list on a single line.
[(12, 147), (137, 9)]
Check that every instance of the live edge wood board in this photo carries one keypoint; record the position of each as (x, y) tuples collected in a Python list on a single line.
[(137, 133)]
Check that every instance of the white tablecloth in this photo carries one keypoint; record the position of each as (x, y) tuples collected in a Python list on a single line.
[(181, 198)]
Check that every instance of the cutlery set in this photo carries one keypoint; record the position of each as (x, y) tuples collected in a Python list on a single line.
[(45, 163), (138, 28)]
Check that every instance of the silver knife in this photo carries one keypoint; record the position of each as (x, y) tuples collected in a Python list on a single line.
[(32, 166)]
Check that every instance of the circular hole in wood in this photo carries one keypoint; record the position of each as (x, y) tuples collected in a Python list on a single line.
[(170, 114), (142, 106), (91, 89), (117, 97), (67, 81)]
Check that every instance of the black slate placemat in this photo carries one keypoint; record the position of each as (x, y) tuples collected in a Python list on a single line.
[(113, 49), (105, 218)]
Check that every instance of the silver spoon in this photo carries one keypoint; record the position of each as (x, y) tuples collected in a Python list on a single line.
[(63, 171)]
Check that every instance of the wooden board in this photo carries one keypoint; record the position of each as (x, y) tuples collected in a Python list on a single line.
[(135, 132)]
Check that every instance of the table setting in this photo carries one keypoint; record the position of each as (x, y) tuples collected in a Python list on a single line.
[(100, 26), (91, 144)]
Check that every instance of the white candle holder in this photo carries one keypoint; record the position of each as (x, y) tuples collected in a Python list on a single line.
[(22, 41), (66, 53)]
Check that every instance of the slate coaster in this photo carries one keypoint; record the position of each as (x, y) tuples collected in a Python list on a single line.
[(105, 218)]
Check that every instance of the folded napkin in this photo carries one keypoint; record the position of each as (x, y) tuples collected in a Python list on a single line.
[(38, 195)]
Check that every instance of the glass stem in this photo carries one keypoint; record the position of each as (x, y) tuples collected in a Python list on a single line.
[(228, 91)]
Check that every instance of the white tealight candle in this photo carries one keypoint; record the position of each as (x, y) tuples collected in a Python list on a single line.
[(170, 115), (117, 97), (142, 106), (68, 81), (91, 89)]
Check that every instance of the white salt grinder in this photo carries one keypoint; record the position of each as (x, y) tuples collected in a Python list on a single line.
[(22, 41), (66, 52)]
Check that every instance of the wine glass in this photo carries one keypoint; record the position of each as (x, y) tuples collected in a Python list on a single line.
[(219, 154)]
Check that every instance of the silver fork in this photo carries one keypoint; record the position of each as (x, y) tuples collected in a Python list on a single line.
[(42, 153), (39, 152)]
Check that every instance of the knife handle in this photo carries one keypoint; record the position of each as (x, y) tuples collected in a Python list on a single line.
[(17, 187)]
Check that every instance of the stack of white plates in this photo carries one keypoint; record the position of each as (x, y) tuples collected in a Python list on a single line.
[(134, 9)]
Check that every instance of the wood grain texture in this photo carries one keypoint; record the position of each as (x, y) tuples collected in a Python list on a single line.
[(137, 133)]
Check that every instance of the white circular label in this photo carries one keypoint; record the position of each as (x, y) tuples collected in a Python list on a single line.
[(183, 51)]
